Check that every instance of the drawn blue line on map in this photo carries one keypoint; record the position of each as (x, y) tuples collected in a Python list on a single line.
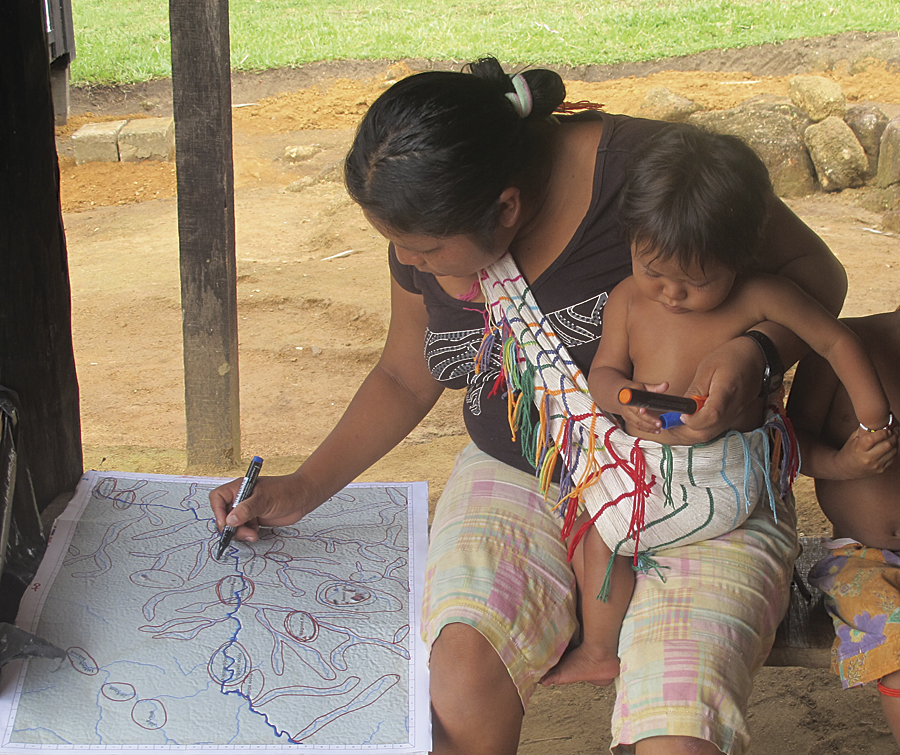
[(317, 636)]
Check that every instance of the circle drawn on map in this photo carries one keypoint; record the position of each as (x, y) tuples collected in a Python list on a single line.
[(301, 626), (229, 664), (234, 589), (106, 488), (253, 686), (149, 714), (118, 692), (82, 661), (156, 579), (253, 566), (344, 594)]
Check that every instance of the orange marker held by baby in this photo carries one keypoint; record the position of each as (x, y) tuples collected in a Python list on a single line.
[(671, 406)]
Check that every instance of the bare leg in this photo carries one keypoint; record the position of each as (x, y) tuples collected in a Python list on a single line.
[(475, 705), (675, 746), (596, 659), (891, 705)]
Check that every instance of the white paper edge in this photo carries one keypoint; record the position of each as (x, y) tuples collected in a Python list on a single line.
[(12, 676)]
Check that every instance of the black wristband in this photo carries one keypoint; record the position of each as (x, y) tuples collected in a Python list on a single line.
[(773, 375)]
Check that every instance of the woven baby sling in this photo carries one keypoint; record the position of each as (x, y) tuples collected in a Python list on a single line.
[(642, 496)]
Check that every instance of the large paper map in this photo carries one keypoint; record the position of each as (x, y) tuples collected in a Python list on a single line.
[(305, 641)]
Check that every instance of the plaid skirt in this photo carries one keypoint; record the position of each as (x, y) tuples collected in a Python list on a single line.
[(698, 628)]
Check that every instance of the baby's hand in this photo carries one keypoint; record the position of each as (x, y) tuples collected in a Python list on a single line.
[(638, 419), (866, 453)]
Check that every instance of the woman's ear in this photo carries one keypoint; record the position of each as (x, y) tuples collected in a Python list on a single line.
[(510, 207)]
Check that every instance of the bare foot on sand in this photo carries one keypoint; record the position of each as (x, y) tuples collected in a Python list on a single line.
[(584, 664)]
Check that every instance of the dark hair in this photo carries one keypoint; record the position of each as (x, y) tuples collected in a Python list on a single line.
[(435, 151), (696, 196)]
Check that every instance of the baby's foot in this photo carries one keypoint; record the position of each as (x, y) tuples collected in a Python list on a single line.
[(584, 664)]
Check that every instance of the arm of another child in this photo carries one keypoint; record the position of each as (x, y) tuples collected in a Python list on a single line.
[(842, 358), (861, 455), (783, 302), (612, 368)]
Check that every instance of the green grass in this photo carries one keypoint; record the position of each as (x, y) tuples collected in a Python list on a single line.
[(128, 40)]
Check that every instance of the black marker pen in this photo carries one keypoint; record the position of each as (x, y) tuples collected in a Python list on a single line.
[(245, 491)]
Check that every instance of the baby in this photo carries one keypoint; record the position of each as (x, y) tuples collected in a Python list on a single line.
[(858, 487), (693, 209)]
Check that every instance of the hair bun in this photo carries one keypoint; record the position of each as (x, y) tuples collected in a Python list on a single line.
[(521, 98), (546, 90)]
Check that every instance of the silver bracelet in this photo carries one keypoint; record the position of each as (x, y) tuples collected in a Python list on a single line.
[(886, 427)]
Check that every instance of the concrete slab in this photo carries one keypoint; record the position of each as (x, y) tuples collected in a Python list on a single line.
[(97, 142), (147, 139)]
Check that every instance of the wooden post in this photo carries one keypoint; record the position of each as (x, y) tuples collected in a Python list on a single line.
[(36, 357), (201, 88)]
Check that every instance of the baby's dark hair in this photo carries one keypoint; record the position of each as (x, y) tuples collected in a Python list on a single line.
[(696, 197), (435, 151)]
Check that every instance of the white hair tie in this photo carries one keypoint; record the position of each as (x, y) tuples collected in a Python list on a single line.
[(521, 98)]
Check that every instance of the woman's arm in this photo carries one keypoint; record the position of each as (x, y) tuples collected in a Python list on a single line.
[(392, 400), (791, 249), (732, 374)]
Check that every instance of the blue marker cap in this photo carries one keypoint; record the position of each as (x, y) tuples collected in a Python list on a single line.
[(670, 420)]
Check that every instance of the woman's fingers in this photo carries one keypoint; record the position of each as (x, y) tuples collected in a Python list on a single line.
[(276, 501), (221, 500)]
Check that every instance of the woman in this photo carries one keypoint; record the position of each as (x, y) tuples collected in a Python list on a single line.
[(454, 169)]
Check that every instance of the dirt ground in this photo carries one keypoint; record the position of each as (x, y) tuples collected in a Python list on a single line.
[(313, 308)]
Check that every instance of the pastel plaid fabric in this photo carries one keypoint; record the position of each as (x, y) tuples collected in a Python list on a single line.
[(694, 636), (496, 562), (691, 644)]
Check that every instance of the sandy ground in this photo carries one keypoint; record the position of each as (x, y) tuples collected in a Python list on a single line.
[(311, 327)]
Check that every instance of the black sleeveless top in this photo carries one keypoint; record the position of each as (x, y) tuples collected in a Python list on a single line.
[(571, 293)]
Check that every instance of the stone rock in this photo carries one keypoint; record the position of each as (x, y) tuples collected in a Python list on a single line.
[(775, 104), (818, 97), (301, 153), (333, 173), (300, 184), (97, 142), (890, 222), (868, 123), (662, 104), (147, 139), (773, 136), (837, 155), (889, 155)]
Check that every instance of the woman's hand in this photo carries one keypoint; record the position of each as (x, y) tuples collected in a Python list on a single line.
[(276, 501), (731, 377)]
